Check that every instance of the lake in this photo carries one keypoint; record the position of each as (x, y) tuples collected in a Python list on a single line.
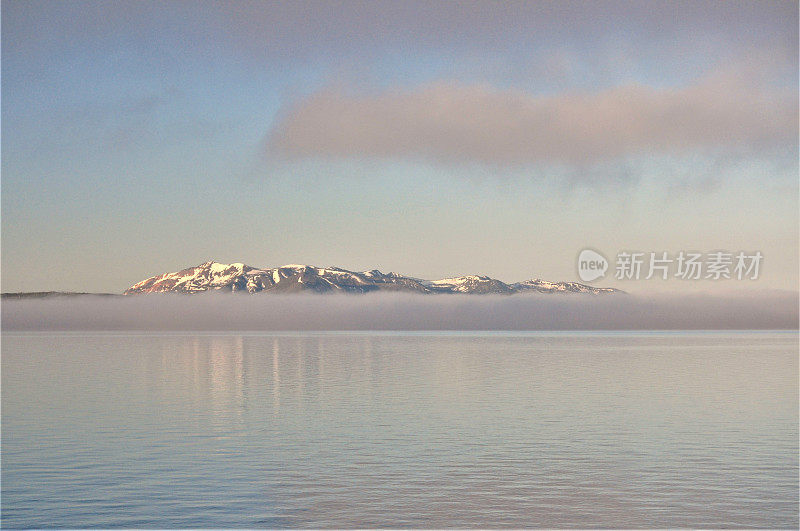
[(400, 429)]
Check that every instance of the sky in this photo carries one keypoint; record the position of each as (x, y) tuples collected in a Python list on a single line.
[(428, 138)]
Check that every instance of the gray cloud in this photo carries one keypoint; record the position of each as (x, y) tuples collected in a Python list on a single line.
[(766, 310), (295, 31), (449, 122), (560, 43)]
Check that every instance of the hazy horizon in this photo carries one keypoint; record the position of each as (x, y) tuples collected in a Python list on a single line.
[(403, 311), (647, 288)]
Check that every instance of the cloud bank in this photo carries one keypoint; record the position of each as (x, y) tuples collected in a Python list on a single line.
[(448, 122), (213, 312)]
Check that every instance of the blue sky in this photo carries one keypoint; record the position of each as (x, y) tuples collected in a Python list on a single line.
[(428, 138)]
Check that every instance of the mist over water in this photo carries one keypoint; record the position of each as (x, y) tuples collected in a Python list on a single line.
[(217, 311)]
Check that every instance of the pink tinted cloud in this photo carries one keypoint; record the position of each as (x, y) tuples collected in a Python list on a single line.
[(451, 122)]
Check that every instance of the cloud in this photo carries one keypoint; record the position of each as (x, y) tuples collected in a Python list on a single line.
[(449, 122), (288, 32), (768, 310)]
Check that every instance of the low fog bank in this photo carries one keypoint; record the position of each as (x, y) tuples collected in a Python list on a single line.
[(767, 310)]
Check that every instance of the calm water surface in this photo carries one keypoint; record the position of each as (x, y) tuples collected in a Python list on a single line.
[(425, 430)]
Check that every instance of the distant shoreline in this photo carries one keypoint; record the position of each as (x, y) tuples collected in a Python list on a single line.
[(46, 294)]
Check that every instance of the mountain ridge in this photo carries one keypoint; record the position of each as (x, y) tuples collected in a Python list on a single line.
[(291, 278)]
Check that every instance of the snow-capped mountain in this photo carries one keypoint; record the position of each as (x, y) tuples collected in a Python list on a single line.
[(468, 284), (543, 286), (214, 276)]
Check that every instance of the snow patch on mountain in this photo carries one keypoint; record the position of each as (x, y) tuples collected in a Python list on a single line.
[(216, 276)]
